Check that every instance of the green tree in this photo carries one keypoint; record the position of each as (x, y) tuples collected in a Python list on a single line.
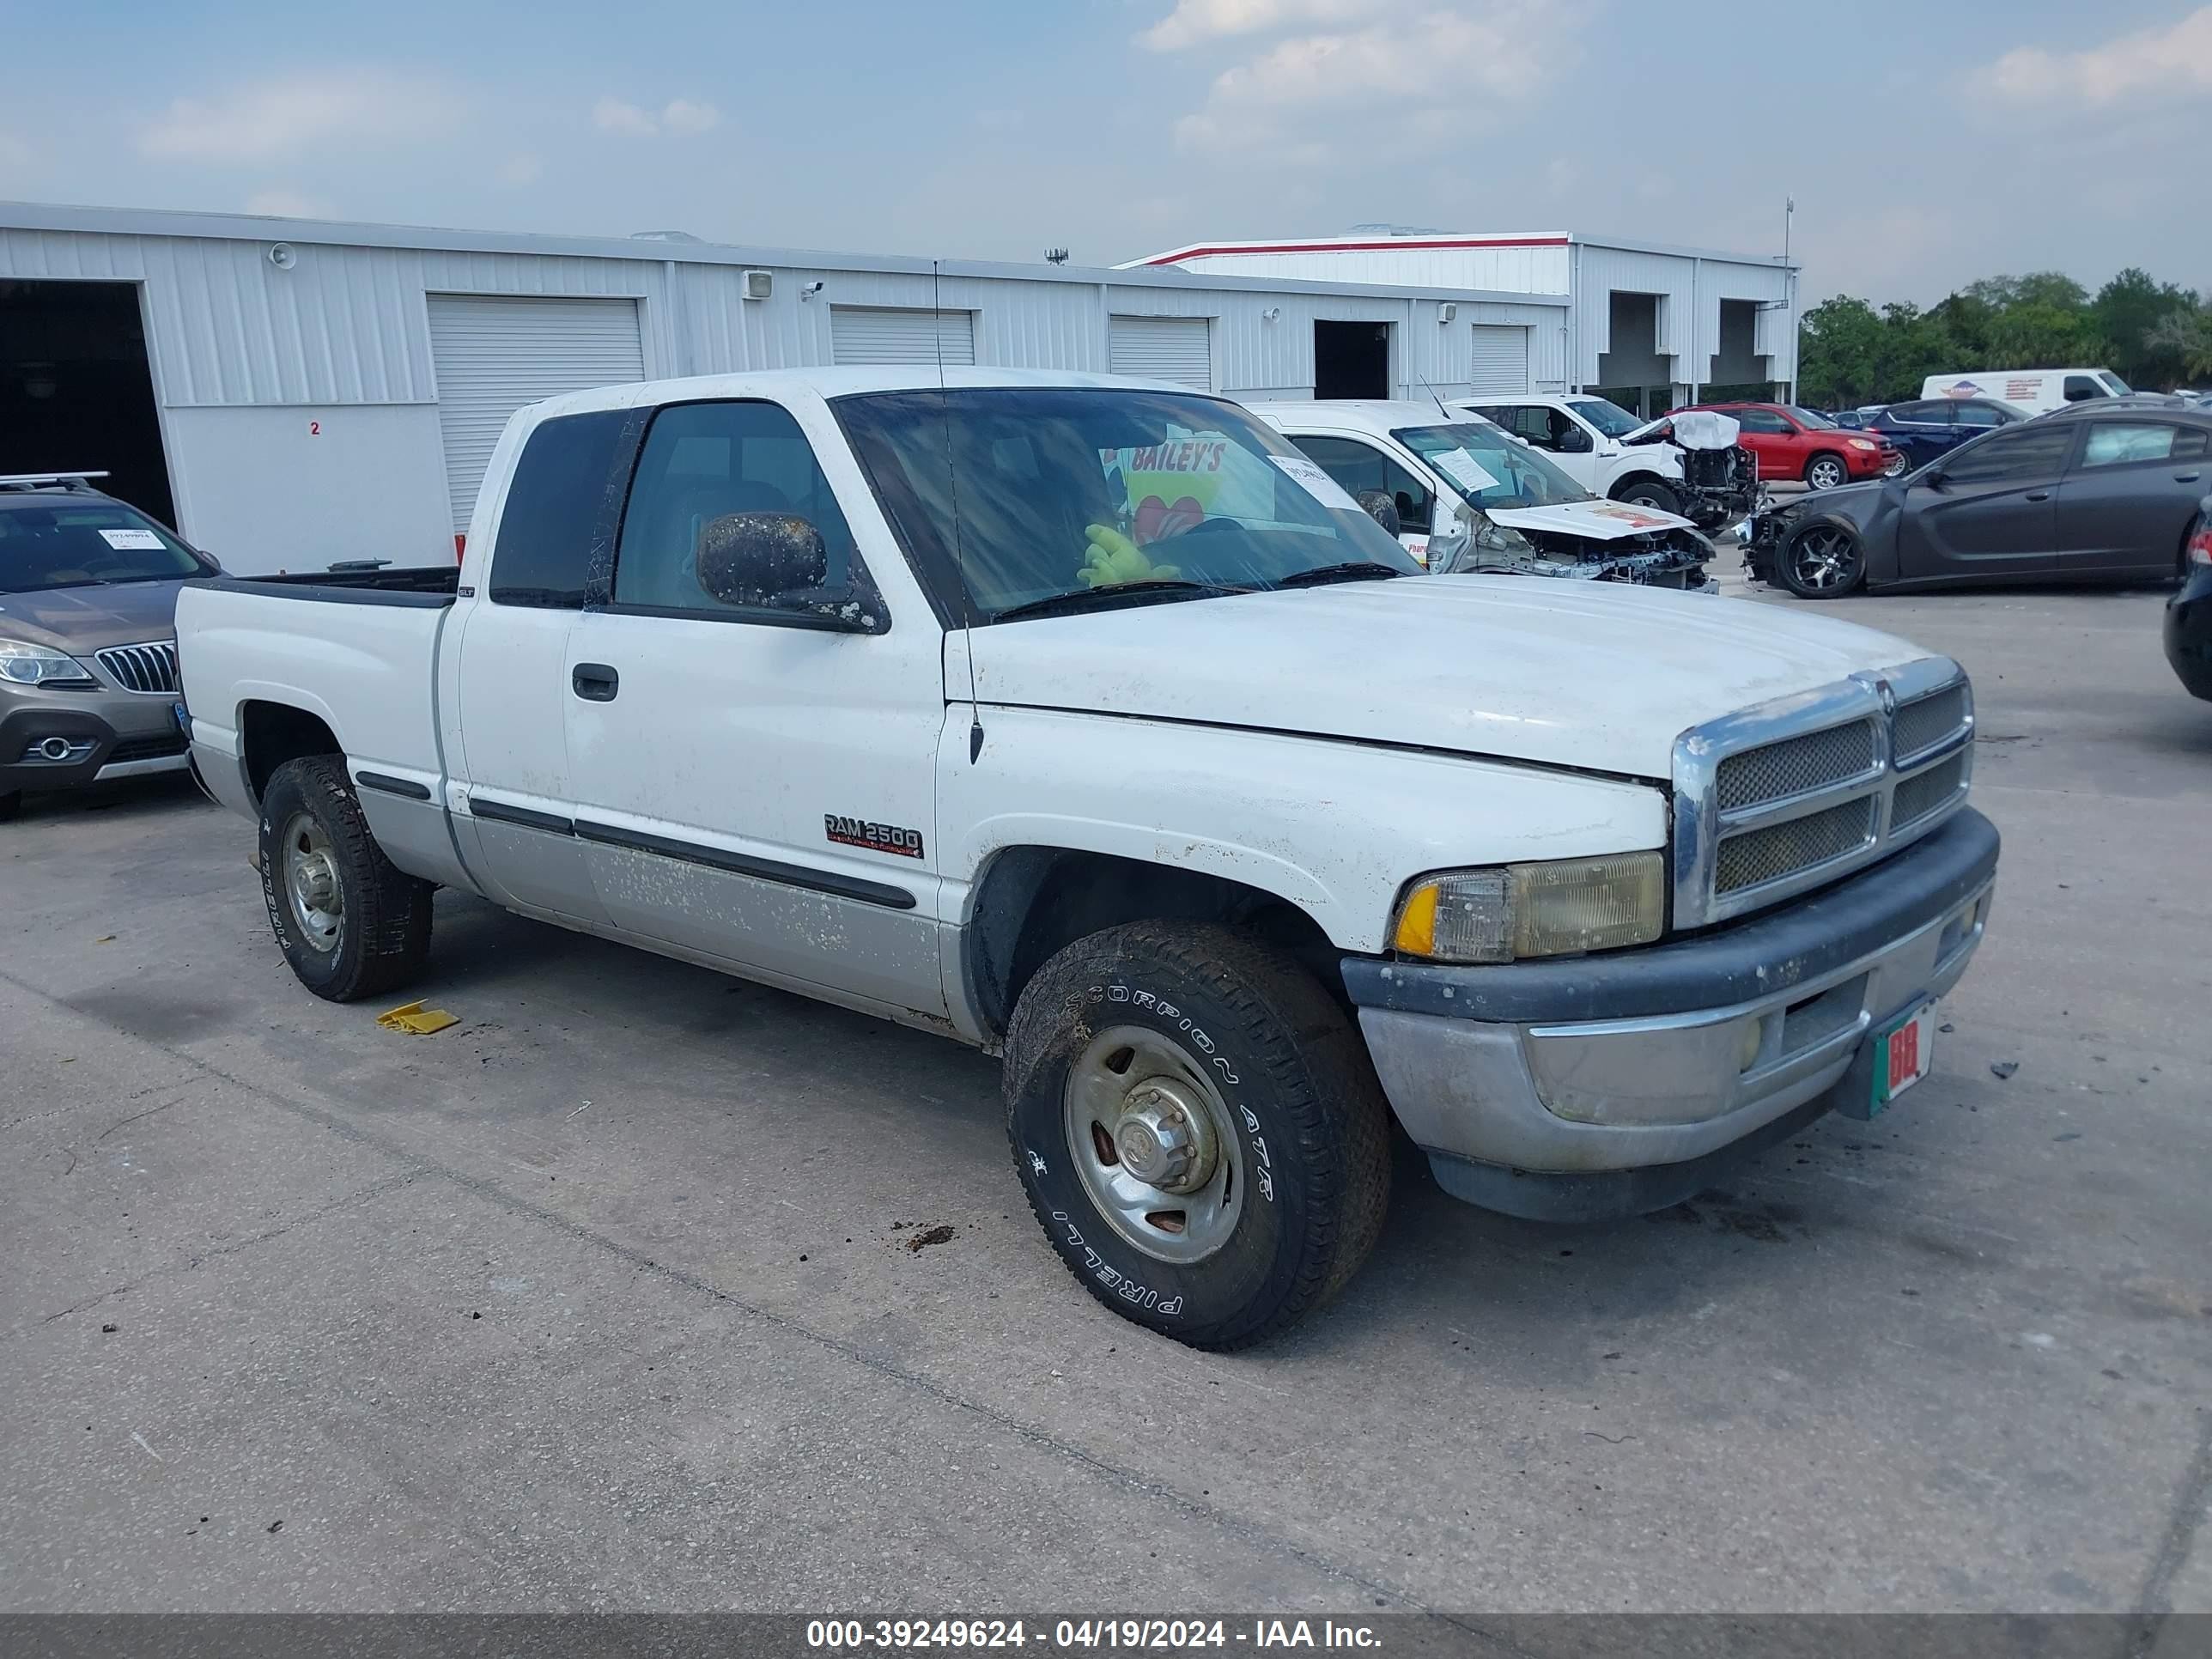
[(2128, 311), (2184, 336)]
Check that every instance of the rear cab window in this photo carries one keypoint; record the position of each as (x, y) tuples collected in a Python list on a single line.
[(561, 504)]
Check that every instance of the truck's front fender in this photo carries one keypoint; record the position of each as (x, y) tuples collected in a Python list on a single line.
[(1334, 828)]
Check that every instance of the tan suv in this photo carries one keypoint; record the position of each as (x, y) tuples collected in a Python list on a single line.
[(88, 637)]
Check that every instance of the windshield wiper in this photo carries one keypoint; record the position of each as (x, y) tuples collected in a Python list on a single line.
[(1086, 598), (1351, 570)]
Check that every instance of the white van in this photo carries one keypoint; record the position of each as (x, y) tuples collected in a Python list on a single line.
[(2031, 390)]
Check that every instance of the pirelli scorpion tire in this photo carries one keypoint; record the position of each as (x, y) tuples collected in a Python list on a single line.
[(1198, 1128), (349, 923)]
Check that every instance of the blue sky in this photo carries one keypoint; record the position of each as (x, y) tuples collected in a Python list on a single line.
[(1925, 145)]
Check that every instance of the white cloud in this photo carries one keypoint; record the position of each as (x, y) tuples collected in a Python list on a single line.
[(1193, 21), (683, 115), (282, 204), (2174, 61), (281, 117), (612, 115), (1412, 69), (679, 115)]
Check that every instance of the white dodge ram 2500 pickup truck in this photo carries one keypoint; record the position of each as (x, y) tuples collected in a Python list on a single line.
[(1089, 721)]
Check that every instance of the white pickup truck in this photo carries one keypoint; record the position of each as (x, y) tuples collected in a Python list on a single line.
[(1088, 721)]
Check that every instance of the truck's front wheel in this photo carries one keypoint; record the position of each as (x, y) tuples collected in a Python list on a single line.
[(1198, 1128), (351, 924)]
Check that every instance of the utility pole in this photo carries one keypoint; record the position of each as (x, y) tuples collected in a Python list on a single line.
[(1790, 292)]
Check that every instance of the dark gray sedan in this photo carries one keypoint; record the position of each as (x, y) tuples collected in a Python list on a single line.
[(2086, 493)]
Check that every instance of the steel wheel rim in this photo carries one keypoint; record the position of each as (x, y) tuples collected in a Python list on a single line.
[(311, 887), (1823, 557), (1122, 1075), (1825, 475)]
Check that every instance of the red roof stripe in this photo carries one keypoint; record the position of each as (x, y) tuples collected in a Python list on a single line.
[(1181, 254)]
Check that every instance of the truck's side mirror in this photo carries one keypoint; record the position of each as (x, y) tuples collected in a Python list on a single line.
[(1382, 507), (778, 561), (1572, 440), (754, 558)]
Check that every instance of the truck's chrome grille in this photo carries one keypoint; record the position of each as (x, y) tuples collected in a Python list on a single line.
[(151, 668), (1758, 856), (1927, 792), (1927, 721), (1782, 798), (1795, 766)]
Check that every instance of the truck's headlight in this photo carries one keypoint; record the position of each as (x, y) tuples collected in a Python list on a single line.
[(24, 664), (1548, 910)]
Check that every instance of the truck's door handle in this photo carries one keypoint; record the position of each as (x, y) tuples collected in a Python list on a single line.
[(2037, 496), (594, 682), (2185, 477)]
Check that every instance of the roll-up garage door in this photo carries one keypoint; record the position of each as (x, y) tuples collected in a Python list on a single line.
[(1160, 349), (868, 334), (1501, 361), (495, 354)]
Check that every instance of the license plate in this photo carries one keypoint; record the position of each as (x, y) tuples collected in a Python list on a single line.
[(1902, 1054)]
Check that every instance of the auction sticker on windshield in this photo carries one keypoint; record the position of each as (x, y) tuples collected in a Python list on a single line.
[(1463, 470), (1318, 484), (1903, 1054), (131, 541)]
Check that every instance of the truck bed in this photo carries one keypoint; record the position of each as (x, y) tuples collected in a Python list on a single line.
[(433, 586), (357, 649)]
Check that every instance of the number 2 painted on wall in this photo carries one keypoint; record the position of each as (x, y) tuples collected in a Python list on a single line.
[(314, 428)]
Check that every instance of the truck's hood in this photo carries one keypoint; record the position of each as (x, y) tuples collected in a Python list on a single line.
[(1596, 521), (77, 620), (1601, 676)]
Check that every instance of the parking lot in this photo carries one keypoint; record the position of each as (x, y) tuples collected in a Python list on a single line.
[(646, 1288)]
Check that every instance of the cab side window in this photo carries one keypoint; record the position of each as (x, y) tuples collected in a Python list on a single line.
[(1934, 412), (1980, 415), (1357, 466), (705, 462), (1530, 423), (1760, 420)]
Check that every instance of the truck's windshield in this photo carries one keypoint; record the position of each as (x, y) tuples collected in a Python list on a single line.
[(56, 542), (1489, 469), (1010, 496), (1607, 416)]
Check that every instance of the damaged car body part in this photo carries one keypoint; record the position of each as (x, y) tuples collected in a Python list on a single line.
[(1091, 723), (1694, 467), (1469, 498)]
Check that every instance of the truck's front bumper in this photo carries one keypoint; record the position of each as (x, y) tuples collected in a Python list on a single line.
[(1610, 1085)]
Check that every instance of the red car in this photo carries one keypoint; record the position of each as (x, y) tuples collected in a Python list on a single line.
[(1795, 443)]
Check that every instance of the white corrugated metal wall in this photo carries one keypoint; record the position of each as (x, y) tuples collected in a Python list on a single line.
[(280, 389)]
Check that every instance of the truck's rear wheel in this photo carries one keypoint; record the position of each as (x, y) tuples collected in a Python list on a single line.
[(351, 924), (1198, 1128)]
